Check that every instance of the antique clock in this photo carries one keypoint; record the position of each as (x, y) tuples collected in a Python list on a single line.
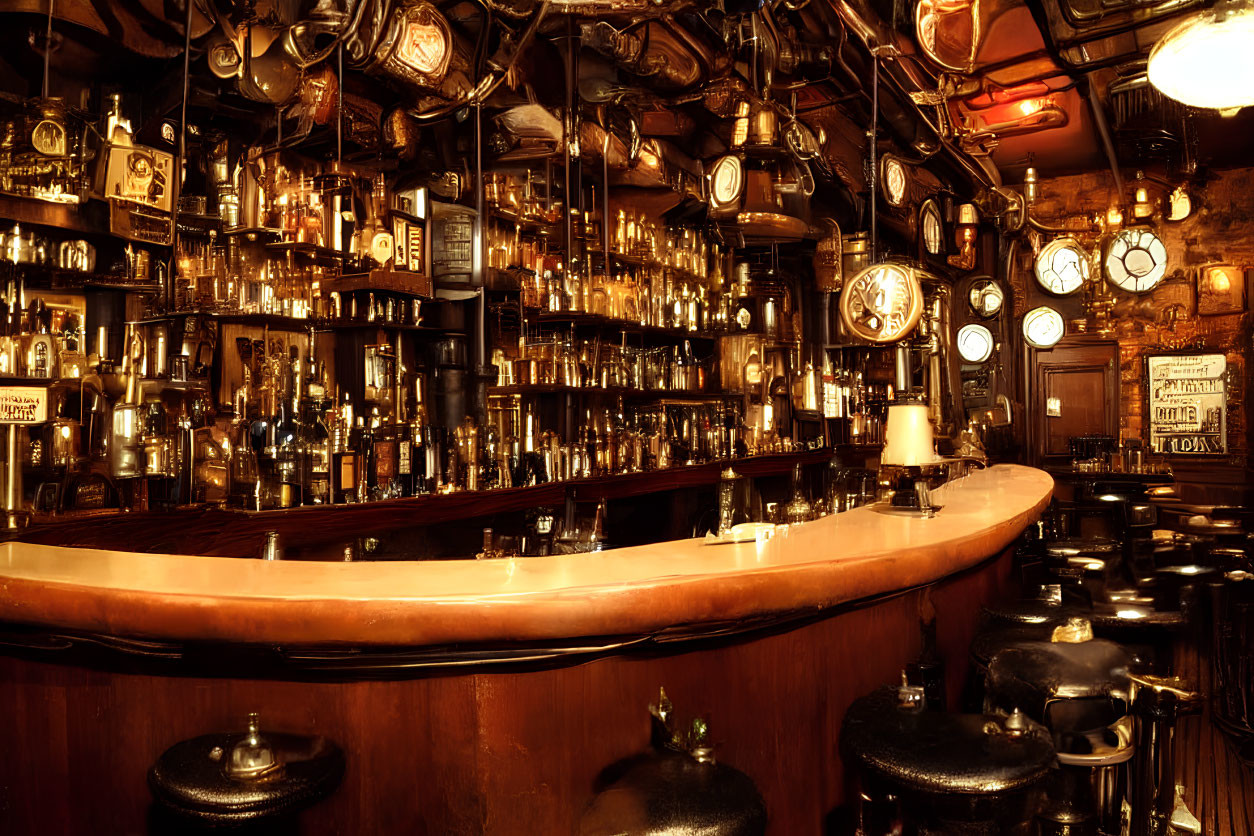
[(986, 298), (1135, 260), (1043, 327), (975, 343), (1062, 267), (882, 303)]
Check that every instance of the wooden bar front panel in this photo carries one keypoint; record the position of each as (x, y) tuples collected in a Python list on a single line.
[(498, 753)]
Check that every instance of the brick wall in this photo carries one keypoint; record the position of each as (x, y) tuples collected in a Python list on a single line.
[(1220, 229)]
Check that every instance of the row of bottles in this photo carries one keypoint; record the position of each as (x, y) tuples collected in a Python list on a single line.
[(565, 361)]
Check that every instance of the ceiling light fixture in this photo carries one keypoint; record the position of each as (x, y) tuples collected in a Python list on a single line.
[(1207, 61)]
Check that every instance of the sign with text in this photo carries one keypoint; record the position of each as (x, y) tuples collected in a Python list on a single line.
[(1187, 404), (23, 405)]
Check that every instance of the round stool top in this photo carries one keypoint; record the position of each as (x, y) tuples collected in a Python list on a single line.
[(1035, 672), (1030, 611), (988, 642), (932, 751), (662, 793), (1081, 546), (193, 778)]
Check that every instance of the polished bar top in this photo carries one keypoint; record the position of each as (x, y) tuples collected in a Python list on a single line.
[(633, 591)]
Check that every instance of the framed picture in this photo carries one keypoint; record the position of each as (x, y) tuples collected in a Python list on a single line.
[(1188, 404), (1220, 289)]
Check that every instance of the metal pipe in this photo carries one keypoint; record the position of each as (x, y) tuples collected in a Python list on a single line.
[(176, 188), (477, 263), (1103, 132), (13, 482), (48, 45), (873, 174)]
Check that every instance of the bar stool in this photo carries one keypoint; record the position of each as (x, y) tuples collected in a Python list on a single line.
[(1157, 703), (1232, 655), (1078, 687), (242, 783), (931, 772), (675, 787)]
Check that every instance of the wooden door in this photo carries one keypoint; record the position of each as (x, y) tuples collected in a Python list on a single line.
[(1073, 390)]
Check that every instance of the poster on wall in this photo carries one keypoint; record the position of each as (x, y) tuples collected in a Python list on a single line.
[(1187, 403)]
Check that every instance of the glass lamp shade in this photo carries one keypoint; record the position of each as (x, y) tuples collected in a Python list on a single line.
[(1208, 60), (908, 440)]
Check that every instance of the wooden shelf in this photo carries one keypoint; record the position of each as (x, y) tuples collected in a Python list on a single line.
[(236, 533), (384, 281), (88, 218)]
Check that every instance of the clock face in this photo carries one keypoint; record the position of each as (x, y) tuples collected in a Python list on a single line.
[(882, 303), (1043, 327), (986, 298), (894, 181), (1062, 266), (930, 226), (1136, 260), (975, 343), (727, 179)]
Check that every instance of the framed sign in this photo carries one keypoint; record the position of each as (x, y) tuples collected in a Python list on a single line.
[(23, 404), (1187, 404)]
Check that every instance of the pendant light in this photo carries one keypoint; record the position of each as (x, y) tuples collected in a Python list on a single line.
[(1207, 61)]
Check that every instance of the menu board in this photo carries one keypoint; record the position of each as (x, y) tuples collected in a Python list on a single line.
[(1187, 404)]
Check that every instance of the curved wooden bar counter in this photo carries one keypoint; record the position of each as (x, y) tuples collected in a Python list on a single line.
[(484, 696)]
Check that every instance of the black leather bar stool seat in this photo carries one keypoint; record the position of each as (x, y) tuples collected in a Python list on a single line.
[(952, 773), (673, 787), (246, 782), (1081, 691)]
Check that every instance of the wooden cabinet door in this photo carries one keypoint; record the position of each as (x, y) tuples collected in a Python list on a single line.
[(1073, 390)]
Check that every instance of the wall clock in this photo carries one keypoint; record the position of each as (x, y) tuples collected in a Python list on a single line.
[(986, 298), (1043, 327), (1062, 267), (975, 343), (1135, 260), (882, 303)]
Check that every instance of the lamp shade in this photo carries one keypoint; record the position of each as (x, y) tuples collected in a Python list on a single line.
[(908, 436), (1208, 60)]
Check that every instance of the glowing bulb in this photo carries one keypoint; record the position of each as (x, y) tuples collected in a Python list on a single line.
[(1130, 614), (1029, 106), (1206, 61), (1114, 216)]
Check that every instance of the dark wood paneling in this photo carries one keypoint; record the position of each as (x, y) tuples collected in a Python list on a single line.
[(507, 753)]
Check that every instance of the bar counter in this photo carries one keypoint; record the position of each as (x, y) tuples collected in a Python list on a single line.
[(486, 696), (677, 585)]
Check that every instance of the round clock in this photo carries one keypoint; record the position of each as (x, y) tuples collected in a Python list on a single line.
[(1062, 267), (986, 297), (975, 343), (727, 180), (1135, 260), (894, 176), (882, 303), (1043, 327), (930, 228)]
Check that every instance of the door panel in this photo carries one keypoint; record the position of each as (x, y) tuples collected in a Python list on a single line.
[(1073, 389)]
